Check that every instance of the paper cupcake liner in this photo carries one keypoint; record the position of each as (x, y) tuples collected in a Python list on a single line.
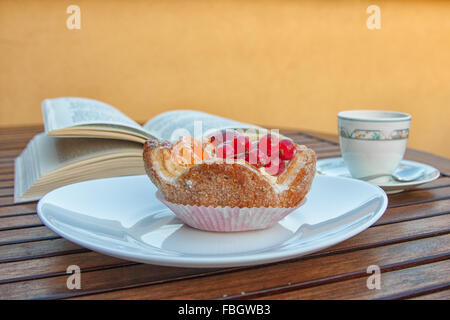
[(227, 219)]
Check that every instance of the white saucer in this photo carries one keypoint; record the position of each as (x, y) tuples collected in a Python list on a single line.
[(335, 167), (121, 217)]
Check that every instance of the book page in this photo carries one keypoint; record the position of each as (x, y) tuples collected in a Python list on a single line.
[(45, 154), (69, 112), (172, 124), (59, 152)]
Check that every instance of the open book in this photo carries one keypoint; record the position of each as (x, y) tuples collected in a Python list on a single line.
[(86, 139)]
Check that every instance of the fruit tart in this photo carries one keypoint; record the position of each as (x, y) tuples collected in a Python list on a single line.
[(229, 180)]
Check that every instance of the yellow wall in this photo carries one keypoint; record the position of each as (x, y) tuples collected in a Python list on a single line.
[(279, 63)]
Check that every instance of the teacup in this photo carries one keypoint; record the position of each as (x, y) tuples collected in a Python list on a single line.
[(373, 142)]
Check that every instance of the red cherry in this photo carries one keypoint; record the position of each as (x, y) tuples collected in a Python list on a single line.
[(263, 159), (257, 158), (241, 144), (269, 144), (224, 151), (215, 139), (287, 149), (276, 167)]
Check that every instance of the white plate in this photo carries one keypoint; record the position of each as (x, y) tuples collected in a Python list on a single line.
[(121, 217), (335, 167)]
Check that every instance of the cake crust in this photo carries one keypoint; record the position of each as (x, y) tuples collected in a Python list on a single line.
[(217, 183)]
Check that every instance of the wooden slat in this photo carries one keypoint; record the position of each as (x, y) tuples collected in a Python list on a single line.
[(7, 166), (19, 222), (418, 196), (439, 295), (19, 138), (26, 235), (6, 174), (55, 287), (319, 145), (7, 200), (9, 162), (18, 208), (326, 155), (6, 192), (389, 233), (241, 284), (304, 140), (438, 183), (15, 148), (13, 132), (13, 143), (7, 177), (38, 249), (6, 183), (399, 283), (9, 154), (56, 266), (416, 211), (328, 138), (9, 130), (8, 158), (326, 151)]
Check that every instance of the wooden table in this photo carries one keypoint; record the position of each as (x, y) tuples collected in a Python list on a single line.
[(410, 244)]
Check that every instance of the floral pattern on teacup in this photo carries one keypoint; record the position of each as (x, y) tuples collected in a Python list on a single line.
[(400, 134), (374, 134)]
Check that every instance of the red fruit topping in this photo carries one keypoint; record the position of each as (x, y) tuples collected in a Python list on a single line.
[(269, 144), (224, 151), (276, 167), (258, 159), (287, 149), (241, 144), (263, 159)]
